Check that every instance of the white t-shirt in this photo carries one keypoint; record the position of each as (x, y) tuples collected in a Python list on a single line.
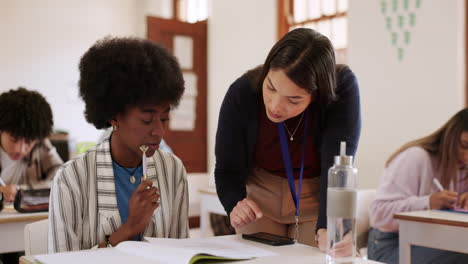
[(11, 170)]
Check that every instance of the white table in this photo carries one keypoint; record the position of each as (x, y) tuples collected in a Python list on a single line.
[(12, 228), (297, 254), (209, 203), (433, 228)]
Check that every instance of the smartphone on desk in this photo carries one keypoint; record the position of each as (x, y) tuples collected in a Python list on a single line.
[(269, 239)]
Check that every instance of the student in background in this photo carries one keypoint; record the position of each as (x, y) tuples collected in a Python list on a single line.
[(298, 84), (101, 198), (27, 158), (26, 155), (408, 185)]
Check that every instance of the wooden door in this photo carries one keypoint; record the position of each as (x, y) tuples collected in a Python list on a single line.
[(186, 133)]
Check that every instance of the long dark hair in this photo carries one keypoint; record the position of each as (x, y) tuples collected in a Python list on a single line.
[(308, 59), (442, 144)]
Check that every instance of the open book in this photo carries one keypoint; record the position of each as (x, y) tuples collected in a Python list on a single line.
[(163, 251)]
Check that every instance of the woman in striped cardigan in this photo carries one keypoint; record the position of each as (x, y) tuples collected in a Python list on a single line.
[(102, 198)]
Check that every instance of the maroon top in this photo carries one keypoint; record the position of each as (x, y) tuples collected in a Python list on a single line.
[(268, 154)]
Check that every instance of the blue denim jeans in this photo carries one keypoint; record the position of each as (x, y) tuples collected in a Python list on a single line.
[(383, 247)]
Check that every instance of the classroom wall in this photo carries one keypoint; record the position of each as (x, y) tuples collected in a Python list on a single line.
[(403, 99), (240, 35), (42, 42)]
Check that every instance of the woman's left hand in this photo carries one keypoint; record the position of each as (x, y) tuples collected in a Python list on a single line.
[(462, 201), (343, 248), (322, 239)]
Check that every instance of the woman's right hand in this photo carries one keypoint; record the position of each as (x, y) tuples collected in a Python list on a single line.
[(245, 212), (141, 206), (442, 199)]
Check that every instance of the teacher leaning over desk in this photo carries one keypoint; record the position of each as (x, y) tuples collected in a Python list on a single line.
[(299, 89)]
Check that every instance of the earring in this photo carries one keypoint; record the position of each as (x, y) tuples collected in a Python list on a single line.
[(114, 128)]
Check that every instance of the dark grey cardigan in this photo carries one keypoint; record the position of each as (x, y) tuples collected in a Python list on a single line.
[(237, 132)]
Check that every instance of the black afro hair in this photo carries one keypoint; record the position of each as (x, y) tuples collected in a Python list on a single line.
[(25, 114), (119, 73)]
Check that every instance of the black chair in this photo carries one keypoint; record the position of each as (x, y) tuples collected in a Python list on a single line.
[(60, 142)]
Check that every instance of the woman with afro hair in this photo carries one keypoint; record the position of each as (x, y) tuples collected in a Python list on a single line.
[(26, 155), (125, 188)]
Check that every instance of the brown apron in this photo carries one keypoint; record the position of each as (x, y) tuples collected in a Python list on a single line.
[(272, 195)]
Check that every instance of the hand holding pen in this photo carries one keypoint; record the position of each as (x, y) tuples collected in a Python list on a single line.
[(9, 191), (143, 149), (443, 199)]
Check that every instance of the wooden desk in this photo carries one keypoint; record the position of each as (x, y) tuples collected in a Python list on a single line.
[(433, 228), (296, 254), (209, 203), (12, 228)]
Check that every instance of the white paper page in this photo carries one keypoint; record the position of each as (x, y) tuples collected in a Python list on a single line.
[(99, 256), (217, 246), (163, 255)]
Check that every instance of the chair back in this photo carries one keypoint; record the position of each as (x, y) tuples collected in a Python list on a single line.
[(35, 237), (364, 199)]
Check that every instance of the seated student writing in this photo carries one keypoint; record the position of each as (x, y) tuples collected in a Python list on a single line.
[(102, 197), (408, 185), (301, 94), (26, 155)]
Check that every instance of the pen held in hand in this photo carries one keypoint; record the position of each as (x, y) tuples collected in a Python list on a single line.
[(2, 183), (438, 185), (143, 149)]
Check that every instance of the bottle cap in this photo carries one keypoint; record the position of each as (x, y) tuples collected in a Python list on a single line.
[(343, 159)]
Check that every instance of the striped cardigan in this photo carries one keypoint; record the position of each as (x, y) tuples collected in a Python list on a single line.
[(83, 205)]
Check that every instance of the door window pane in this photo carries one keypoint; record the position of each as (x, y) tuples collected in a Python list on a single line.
[(183, 50)]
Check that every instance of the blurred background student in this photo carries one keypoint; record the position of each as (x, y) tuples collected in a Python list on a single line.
[(408, 185), (27, 158), (26, 155)]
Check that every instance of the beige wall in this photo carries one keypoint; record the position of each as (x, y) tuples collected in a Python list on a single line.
[(407, 99), (240, 34), (42, 42)]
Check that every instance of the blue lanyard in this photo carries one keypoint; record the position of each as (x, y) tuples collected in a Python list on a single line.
[(287, 161)]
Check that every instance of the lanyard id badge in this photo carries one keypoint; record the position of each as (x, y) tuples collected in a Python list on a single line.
[(296, 196)]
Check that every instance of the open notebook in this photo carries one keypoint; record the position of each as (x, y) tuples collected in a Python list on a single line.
[(163, 251)]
